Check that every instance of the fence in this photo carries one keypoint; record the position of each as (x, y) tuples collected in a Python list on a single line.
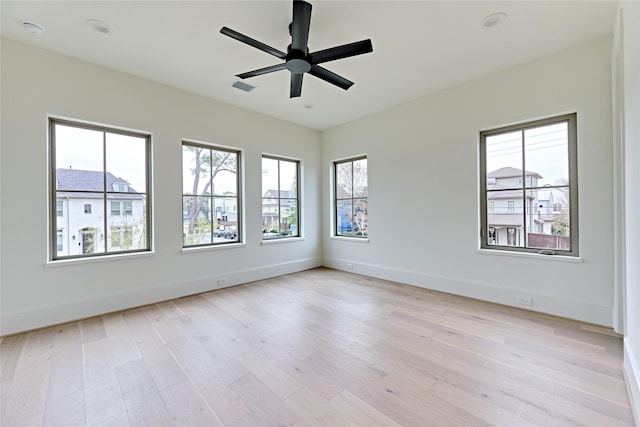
[(549, 241)]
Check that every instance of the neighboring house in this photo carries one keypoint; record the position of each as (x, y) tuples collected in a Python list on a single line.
[(273, 215), (81, 207), (506, 206)]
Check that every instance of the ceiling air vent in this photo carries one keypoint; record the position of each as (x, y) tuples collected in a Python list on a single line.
[(243, 86)]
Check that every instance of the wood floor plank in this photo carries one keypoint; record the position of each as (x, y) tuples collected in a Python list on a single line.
[(263, 403), (66, 410), (187, 407), (319, 347), (11, 349), (67, 375)]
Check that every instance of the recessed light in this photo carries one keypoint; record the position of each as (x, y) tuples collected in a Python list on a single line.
[(33, 28), (98, 26), (494, 20)]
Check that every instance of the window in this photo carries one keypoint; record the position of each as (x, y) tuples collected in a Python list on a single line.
[(522, 168), (86, 161), (127, 208), (121, 237), (59, 241), (280, 207), (211, 211), (59, 208), (351, 190), (115, 208)]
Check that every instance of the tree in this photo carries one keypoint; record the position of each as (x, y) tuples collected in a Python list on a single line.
[(560, 225)]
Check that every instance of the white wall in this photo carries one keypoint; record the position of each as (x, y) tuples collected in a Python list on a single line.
[(423, 187), (629, 30), (36, 83)]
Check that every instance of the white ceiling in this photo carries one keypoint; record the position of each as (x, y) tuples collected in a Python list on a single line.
[(419, 47)]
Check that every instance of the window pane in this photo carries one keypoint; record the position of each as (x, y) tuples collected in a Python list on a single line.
[(269, 177), (225, 167), (361, 217), (547, 154), (226, 216), (507, 214), (225, 183), (504, 160), (288, 179), (551, 228), (344, 220), (360, 186), (344, 179), (197, 220), (59, 208), (84, 232), (196, 170), (133, 225), (126, 161), (270, 217), (82, 150), (288, 217)]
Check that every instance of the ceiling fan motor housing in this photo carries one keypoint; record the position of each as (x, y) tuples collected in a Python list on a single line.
[(296, 61)]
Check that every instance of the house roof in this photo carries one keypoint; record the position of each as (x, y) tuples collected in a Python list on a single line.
[(73, 180), (509, 172)]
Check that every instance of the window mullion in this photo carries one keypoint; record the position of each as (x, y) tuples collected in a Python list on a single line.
[(104, 188)]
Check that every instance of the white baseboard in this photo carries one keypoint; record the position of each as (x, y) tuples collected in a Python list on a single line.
[(578, 310), (632, 374), (15, 322)]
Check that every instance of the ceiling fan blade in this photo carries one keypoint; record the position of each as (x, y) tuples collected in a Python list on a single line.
[(339, 52), (261, 71), (296, 85), (330, 77), (252, 42), (300, 25)]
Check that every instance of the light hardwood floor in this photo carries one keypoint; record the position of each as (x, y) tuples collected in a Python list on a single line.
[(319, 348)]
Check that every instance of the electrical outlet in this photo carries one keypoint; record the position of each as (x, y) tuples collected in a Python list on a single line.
[(524, 300), (223, 281), (349, 266)]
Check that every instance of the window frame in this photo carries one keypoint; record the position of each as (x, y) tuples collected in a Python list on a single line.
[(239, 230), (298, 164), (336, 199), (572, 145), (106, 192)]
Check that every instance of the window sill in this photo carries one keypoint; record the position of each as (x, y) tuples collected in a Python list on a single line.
[(101, 258), (351, 239), (213, 247), (562, 258), (281, 240)]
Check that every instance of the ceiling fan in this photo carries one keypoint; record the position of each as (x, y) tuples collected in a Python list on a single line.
[(298, 60)]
